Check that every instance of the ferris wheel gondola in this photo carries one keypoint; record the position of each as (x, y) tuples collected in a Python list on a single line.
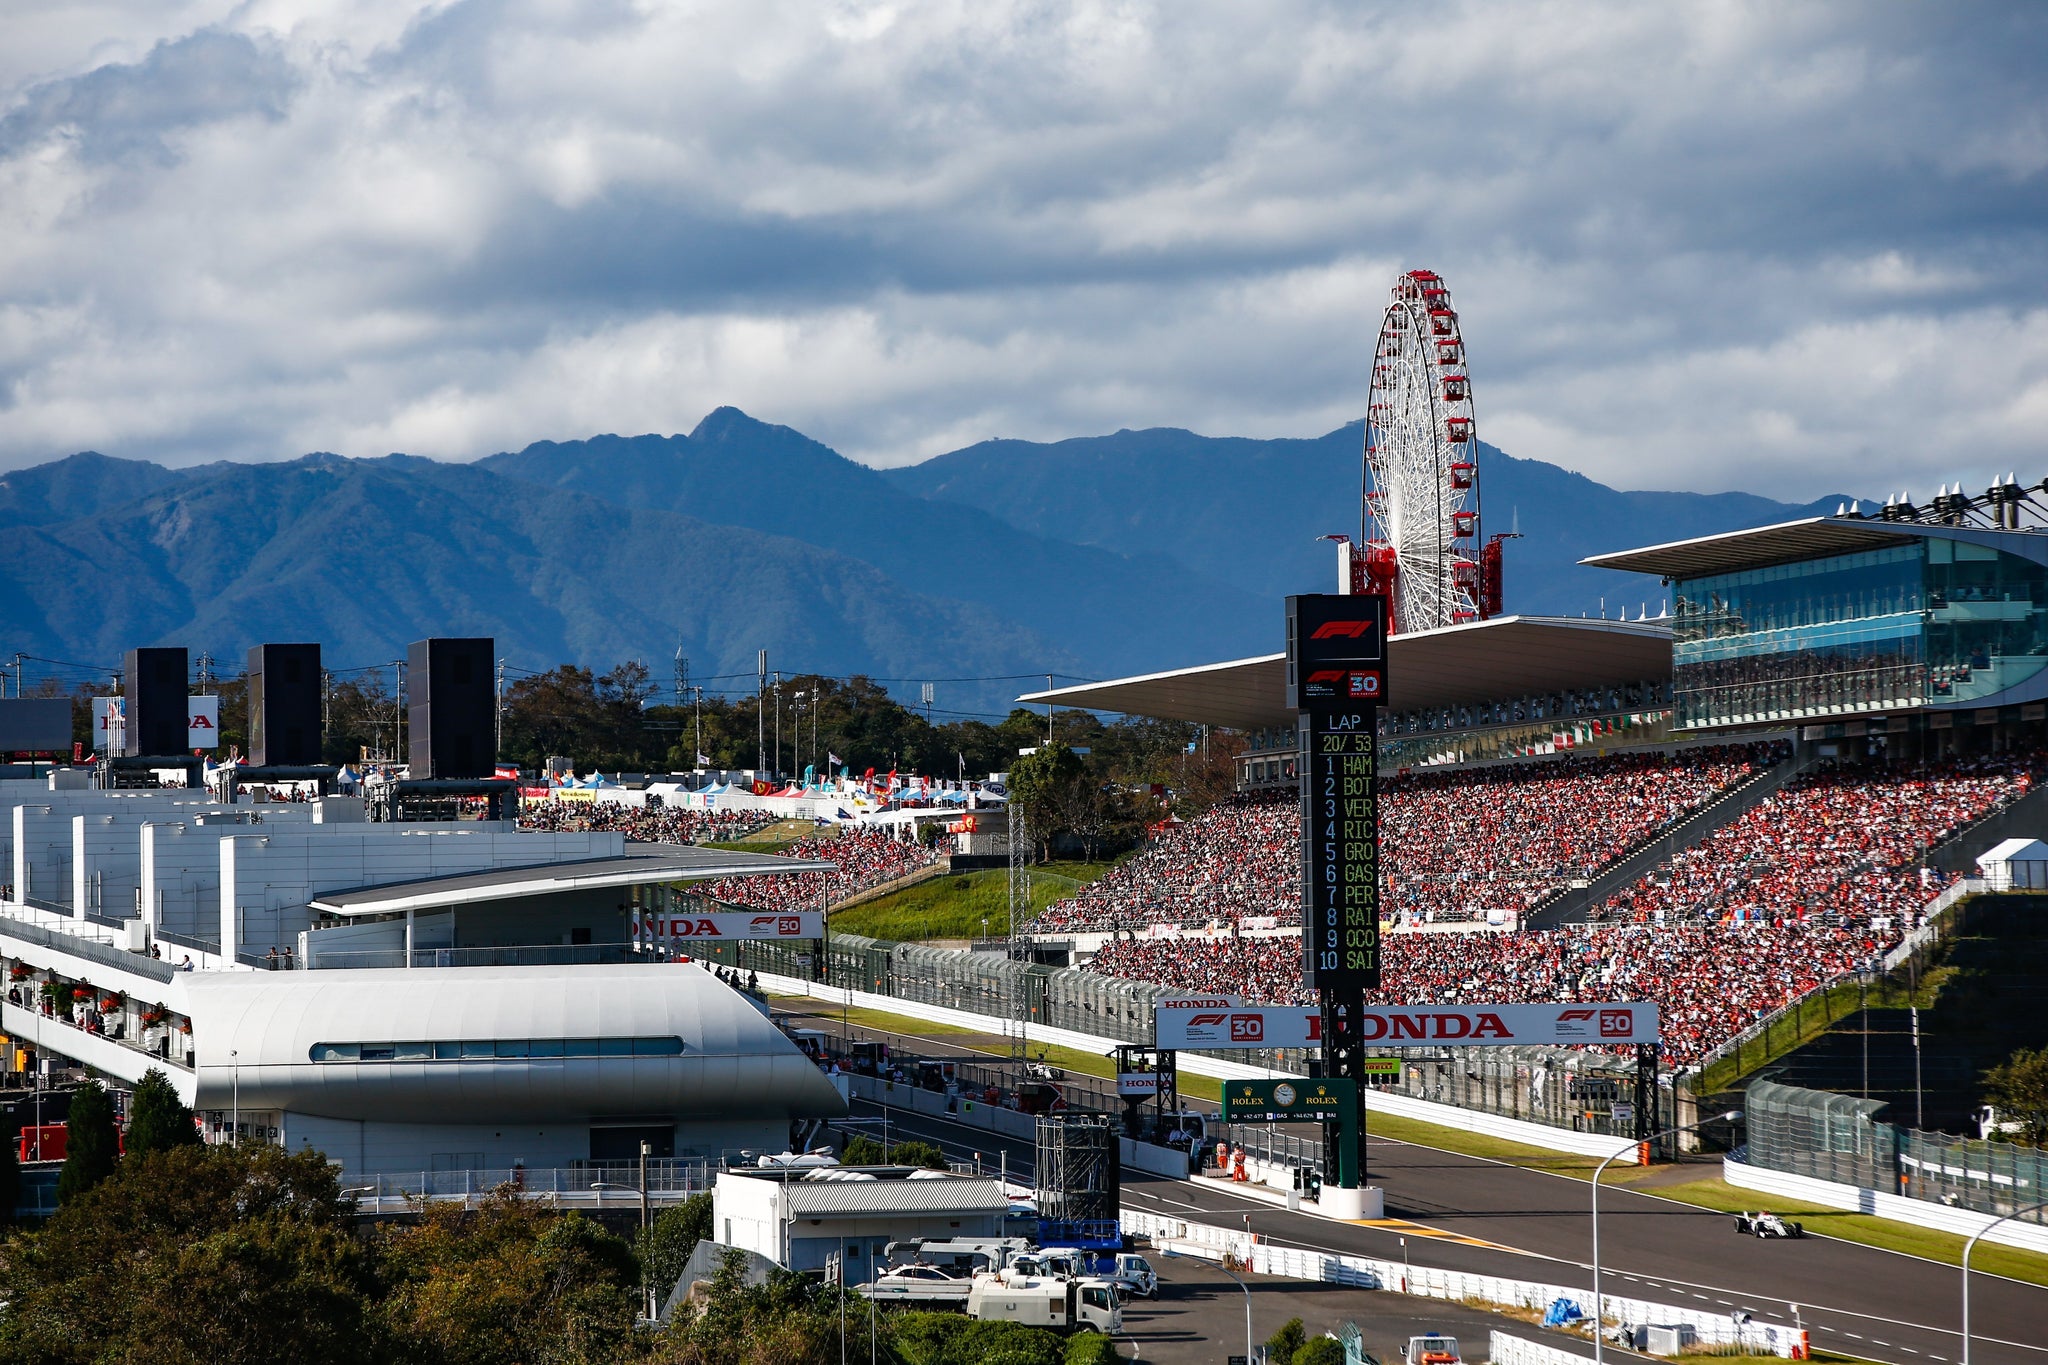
[(1420, 533)]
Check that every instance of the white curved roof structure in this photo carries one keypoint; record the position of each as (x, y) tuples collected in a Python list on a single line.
[(495, 1044)]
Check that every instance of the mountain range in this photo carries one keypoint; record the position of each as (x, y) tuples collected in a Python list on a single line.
[(981, 570)]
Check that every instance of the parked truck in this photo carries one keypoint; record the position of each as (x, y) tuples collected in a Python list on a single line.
[(1433, 1348), (1061, 1304)]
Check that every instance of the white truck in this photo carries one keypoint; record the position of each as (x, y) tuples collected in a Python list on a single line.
[(963, 1255), (1432, 1349), (1061, 1304), (1132, 1275)]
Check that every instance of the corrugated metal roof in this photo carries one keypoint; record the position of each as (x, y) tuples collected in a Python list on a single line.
[(1453, 666), (1757, 548)]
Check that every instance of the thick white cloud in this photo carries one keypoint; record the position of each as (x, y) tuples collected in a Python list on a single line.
[(1722, 245)]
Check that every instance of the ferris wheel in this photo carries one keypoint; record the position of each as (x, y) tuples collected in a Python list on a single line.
[(1420, 523)]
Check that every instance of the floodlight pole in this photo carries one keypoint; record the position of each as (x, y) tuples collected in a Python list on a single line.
[(1970, 1246), (1635, 1144)]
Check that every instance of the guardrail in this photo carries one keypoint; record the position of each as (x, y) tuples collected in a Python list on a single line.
[(1365, 1272)]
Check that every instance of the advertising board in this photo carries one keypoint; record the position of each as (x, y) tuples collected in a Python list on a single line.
[(35, 725), (1289, 1101), (1611, 1023), (733, 924), (202, 722), (1137, 1083)]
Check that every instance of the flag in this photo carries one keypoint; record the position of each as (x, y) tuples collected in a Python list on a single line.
[(1191, 747), (703, 760), (833, 760)]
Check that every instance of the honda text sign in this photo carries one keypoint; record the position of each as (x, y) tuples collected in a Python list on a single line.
[(1612, 1024), (732, 924)]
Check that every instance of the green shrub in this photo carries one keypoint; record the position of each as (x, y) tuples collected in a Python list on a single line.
[(1320, 1351), (1281, 1346), (1091, 1349)]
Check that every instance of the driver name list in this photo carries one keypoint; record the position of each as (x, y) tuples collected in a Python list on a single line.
[(1340, 850)]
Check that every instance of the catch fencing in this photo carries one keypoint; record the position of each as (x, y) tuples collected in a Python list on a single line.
[(1840, 1138), (1564, 1088)]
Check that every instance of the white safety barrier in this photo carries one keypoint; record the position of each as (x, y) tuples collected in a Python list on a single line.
[(1426, 1111), (1434, 1282), (1855, 1199), (1502, 1349)]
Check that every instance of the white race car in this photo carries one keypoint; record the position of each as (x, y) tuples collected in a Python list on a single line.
[(1765, 1224)]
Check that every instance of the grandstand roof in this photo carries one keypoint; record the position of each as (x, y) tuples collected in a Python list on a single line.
[(1508, 656), (1758, 547), (673, 863)]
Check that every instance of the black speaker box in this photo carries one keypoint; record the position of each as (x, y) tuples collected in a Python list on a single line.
[(157, 682), (451, 708), (284, 706)]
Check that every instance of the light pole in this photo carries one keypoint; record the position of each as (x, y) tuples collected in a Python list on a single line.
[(1249, 1354), (235, 1109), (1970, 1246), (1599, 1337)]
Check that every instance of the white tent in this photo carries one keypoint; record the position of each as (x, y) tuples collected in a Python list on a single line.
[(2016, 865)]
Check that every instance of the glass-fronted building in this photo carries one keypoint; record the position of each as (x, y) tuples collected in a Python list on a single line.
[(1840, 617)]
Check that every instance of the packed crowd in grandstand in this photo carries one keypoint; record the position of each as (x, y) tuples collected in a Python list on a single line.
[(1820, 877), (1457, 846), (865, 858), (654, 824)]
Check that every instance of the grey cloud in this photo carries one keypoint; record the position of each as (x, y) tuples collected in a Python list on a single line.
[(1691, 243), (120, 111)]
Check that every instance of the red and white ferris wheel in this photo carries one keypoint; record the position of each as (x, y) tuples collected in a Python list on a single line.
[(1420, 541)]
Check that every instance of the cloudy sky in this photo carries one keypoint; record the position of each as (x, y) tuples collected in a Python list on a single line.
[(1793, 249)]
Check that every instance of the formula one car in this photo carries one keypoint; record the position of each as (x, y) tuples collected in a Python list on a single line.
[(1765, 1224)]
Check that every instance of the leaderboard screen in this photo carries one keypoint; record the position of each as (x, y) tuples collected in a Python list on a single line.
[(1340, 849)]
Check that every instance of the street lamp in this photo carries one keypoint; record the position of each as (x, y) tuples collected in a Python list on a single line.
[(235, 1112), (1183, 1256), (1970, 1246), (1599, 1336)]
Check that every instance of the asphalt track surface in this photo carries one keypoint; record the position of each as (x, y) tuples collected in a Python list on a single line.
[(1468, 1213), (1198, 1318)]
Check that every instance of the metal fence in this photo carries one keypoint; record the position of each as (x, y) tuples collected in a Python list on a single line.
[(1846, 1140), (1560, 1087)]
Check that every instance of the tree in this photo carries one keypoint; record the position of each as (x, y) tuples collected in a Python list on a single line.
[(91, 1142), (666, 1245), (2018, 1089), (190, 1255), (508, 1281), (1320, 1351), (915, 1153), (862, 1150), (1042, 784), (157, 1119), (1281, 1346)]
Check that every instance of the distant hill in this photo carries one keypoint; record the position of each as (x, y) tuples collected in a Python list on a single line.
[(1092, 557), (1250, 511), (366, 555)]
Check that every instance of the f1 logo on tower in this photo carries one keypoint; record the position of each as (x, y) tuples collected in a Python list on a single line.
[(1205, 1020), (1342, 630)]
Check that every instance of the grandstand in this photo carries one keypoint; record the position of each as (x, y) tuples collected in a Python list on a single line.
[(1892, 674)]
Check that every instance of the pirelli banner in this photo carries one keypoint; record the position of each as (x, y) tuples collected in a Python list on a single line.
[(730, 925), (1222, 1024)]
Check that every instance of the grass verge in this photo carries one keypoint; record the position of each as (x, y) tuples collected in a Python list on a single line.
[(965, 905)]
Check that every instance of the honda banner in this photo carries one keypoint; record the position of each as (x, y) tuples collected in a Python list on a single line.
[(202, 722), (733, 924), (1179, 1024)]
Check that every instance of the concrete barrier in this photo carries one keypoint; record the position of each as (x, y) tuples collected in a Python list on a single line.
[(1855, 1199)]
